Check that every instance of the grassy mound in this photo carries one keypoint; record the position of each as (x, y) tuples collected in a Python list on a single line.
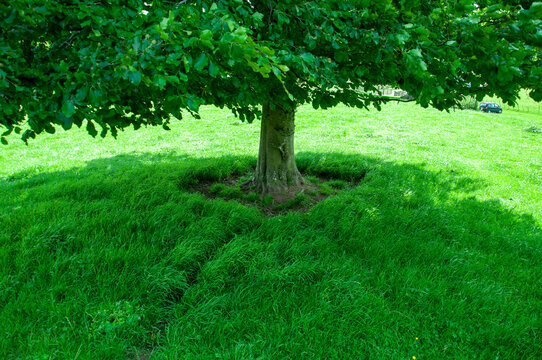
[(434, 252)]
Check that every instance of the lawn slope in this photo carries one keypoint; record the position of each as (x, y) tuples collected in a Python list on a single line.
[(435, 253)]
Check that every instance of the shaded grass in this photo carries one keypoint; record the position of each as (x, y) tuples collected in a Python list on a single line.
[(533, 129), (104, 254)]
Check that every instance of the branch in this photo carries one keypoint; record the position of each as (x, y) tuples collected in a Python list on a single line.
[(387, 98)]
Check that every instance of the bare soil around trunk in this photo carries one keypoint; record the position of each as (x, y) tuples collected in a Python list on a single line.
[(294, 198)]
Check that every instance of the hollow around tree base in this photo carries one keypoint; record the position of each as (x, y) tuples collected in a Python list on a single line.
[(294, 198)]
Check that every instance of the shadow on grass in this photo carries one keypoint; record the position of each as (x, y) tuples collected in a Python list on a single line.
[(116, 253)]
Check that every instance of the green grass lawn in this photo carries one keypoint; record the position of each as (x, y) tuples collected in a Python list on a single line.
[(524, 104), (435, 254)]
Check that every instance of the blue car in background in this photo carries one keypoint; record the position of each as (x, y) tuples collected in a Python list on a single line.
[(490, 107)]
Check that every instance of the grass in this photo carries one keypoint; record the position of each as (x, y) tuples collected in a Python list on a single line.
[(295, 198), (435, 253), (524, 104)]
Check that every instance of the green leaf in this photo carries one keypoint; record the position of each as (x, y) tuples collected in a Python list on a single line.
[(231, 25), (81, 94), (290, 96), (535, 11), (240, 34), (283, 68), (201, 62), (282, 18), (64, 67), (206, 35), (95, 96), (49, 128), (183, 77), (267, 51), (423, 65), (208, 44), (68, 109), (189, 42), (213, 69), (164, 36), (160, 81), (28, 134), (187, 61), (416, 61), (416, 53), (67, 122), (3, 140), (137, 44), (135, 77), (173, 79), (164, 23), (536, 95), (192, 105), (308, 57), (91, 129)]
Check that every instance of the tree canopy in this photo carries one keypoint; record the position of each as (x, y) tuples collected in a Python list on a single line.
[(107, 65)]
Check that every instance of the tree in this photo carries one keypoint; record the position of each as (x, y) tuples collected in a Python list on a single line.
[(131, 63)]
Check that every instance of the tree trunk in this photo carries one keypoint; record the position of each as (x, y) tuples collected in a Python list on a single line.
[(276, 169)]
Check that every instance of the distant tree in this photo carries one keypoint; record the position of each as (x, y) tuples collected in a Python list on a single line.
[(107, 65)]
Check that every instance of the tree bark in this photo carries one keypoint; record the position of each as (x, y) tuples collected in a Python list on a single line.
[(276, 169)]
